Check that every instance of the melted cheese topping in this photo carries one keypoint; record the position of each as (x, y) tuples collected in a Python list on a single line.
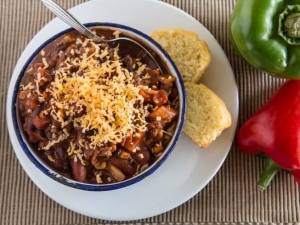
[(102, 92), (29, 86)]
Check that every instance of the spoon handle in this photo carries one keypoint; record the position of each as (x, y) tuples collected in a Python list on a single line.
[(67, 17)]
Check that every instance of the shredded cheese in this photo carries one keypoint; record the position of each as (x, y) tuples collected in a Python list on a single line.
[(53, 142), (117, 33), (29, 70), (46, 65), (102, 89), (29, 86), (98, 175), (72, 150)]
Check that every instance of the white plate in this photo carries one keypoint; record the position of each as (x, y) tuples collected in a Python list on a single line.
[(189, 168)]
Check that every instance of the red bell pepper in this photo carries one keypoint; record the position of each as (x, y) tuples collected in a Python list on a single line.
[(275, 131)]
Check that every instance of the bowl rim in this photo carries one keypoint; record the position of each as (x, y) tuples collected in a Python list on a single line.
[(96, 187)]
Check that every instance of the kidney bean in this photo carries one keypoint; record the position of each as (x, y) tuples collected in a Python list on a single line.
[(43, 76), (31, 103), (123, 165), (79, 170), (160, 98), (142, 156), (61, 153), (22, 95), (146, 95)]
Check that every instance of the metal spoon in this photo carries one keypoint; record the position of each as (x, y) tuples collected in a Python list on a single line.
[(136, 49)]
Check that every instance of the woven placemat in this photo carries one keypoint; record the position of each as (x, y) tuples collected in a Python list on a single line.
[(230, 198)]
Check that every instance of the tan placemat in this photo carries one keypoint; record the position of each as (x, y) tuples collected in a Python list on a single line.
[(230, 198)]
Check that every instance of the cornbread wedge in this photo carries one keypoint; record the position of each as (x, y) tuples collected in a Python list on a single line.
[(190, 54), (207, 115)]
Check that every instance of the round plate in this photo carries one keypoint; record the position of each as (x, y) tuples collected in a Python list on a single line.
[(189, 168)]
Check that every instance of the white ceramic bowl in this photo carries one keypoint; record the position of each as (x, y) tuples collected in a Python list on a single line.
[(42, 166)]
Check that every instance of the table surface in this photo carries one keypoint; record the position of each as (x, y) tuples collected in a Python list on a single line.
[(231, 197)]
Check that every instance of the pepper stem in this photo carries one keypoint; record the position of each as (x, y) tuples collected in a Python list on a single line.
[(289, 24), (269, 172)]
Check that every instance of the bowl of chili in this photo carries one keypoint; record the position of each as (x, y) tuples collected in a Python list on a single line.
[(96, 117)]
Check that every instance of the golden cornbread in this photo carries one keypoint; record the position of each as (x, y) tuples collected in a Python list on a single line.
[(190, 54), (207, 115)]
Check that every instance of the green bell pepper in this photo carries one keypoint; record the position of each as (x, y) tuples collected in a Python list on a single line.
[(266, 33)]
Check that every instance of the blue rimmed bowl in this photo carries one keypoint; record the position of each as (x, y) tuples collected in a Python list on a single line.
[(19, 138)]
